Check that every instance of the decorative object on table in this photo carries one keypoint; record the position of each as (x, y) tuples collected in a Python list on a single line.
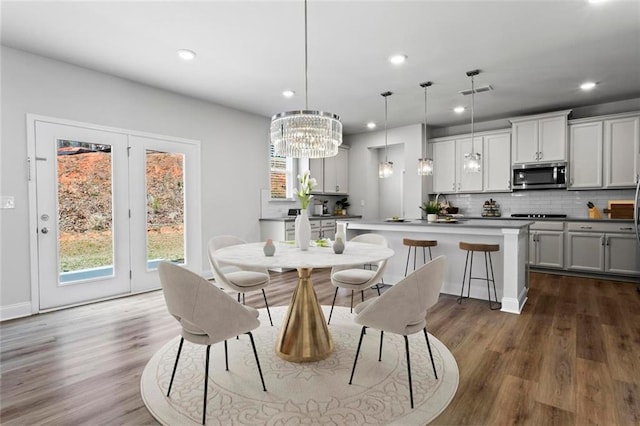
[(431, 209), (342, 206), (302, 224), (341, 231), (491, 209), (472, 161), (385, 168), (425, 164), (306, 133), (269, 248), (338, 246)]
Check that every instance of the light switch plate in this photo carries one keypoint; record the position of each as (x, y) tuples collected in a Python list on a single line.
[(8, 202)]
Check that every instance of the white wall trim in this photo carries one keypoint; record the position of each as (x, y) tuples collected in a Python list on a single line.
[(17, 310)]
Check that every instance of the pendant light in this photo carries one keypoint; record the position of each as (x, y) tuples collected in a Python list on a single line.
[(306, 133), (385, 169), (473, 160), (425, 164)]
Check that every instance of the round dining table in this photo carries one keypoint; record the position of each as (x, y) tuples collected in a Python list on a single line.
[(304, 335)]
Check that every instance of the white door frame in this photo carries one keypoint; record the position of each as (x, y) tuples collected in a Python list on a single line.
[(194, 212)]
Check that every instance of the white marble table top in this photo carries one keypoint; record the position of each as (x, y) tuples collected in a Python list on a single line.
[(290, 257)]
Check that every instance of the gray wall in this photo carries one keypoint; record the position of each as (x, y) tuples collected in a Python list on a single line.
[(234, 148)]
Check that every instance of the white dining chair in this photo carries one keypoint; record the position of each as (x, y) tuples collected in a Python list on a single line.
[(242, 280), (402, 309), (356, 277), (207, 316)]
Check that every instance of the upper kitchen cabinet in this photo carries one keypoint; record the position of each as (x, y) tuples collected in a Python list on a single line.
[(621, 151), (540, 138), (496, 163), (332, 173), (448, 160), (604, 152)]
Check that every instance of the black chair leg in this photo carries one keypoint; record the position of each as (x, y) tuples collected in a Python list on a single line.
[(206, 380), (355, 361), (267, 304), (226, 357), (255, 353), (378, 288), (332, 305), (380, 352), (433, 364), (351, 311), (493, 280), (362, 294), (406, 347), (464, 277), (430, 256), (406, 268), (175, 365)]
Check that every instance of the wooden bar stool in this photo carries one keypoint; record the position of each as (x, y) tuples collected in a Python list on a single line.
[(415, 244), (486, 249)]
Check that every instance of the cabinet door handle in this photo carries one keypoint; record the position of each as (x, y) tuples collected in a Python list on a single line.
[(586, 227), (625, 228), (540, 157), (602, 240), (535, 157), (453, 186)]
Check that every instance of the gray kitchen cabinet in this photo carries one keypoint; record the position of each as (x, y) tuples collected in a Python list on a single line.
[(621, 152), (546, 245), (539, 139), (585, 155), (608, 248), (277, 230), (332, 173), (328, 228), (496, 162)]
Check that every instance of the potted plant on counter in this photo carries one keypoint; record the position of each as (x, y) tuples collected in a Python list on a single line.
[(342, 206), (431, 209)]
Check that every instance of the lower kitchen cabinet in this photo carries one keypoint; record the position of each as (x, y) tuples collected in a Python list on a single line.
[(279, 230), (546, 244), (602, 248)]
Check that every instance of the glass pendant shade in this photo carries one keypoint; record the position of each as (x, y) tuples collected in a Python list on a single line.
[(472, 162), (306, 134), (425, 167), (385, 169)]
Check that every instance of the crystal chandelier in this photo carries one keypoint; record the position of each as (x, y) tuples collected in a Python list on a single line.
[(472, 161), (306, 133), (425, 164), (385, 168)]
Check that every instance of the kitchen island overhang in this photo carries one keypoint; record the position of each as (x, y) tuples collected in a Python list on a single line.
[(510, 264)]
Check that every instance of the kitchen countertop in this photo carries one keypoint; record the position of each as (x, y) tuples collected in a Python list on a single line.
[(459, 223), (549, 219), (292, 218)]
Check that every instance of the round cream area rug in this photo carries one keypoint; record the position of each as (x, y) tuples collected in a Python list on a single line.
[(311, 393)]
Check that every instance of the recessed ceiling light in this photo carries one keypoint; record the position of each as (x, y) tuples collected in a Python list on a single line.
[(459, 109), (588, 85), (288, 93), (186, 54), (397, 59), (371, 125), (596, 1)]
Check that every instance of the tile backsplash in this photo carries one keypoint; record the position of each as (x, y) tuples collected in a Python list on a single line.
[(550, 201)]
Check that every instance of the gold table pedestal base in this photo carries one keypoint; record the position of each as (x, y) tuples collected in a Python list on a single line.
[(304, 336)]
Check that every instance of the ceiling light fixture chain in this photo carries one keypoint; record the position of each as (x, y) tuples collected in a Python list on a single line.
[(306, 133), (425, 164), (385, 168)]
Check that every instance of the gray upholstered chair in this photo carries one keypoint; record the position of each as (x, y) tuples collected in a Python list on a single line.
[(356, 277), (207, 315), (402, 309), (237, 279)]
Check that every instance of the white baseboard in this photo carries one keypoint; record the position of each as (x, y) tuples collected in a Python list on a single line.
[(17, 310)]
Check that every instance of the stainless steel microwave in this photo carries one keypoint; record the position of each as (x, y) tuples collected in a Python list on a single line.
[(539, 176)]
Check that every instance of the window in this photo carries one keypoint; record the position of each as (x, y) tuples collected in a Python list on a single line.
[(281, 176)]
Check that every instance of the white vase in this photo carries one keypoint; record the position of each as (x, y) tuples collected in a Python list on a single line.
[(432, 217), (341, 231), (303, 230), (296, 225)]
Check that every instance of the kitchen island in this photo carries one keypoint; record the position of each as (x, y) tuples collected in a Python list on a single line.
[(509, 264)]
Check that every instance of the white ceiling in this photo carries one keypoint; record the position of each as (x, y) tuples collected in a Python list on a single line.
[(534, 53)]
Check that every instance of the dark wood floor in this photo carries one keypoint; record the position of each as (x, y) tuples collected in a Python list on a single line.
[(571, 358)]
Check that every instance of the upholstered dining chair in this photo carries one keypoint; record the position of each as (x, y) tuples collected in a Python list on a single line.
[(402, 310), (241, 280), (356, 277), (207, 315)]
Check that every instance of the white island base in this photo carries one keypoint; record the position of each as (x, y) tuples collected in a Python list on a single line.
[(509, 264)]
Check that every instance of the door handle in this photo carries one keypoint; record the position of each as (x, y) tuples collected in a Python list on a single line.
[(44, 230)]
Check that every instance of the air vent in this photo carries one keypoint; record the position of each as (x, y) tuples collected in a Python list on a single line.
[(478, 90)]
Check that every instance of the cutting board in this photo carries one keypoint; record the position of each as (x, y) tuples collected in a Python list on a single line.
[(620, 209)]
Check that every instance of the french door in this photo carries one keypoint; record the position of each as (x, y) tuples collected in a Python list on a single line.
[(109, 206)]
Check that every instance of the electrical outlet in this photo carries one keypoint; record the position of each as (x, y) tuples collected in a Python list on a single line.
[(8, 202)]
